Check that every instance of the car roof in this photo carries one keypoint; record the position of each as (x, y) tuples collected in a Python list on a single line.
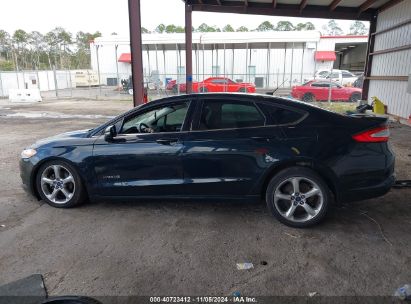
[(320, 80)]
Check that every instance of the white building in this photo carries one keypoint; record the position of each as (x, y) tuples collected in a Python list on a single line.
[(269, 59)]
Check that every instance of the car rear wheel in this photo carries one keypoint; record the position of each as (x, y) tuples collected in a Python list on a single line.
[(59, 185), (203, 90), (243, 90), (308, 97), (355, 97), (298, 197)]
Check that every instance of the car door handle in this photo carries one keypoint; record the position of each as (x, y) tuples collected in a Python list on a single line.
[(166, 141)]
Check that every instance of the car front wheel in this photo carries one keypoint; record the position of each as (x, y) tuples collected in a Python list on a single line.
[(298, 197), (59, 185), (355, 97), (308, 97)]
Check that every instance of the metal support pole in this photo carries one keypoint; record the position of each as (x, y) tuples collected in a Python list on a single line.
[(232, 63), (136, 51), (117, 74), (98, 68), (225, 84), (302, 64), (315, 61), (203, 64), (71, 83), (178, 72), (285, 57), (158, 79), (292, 63), (164, 65), (212, 60), (246, 63), (216, 61), (1, 87), (329, 88), (267, 82), (189, 49), (368, 62), (55, 81), (197, 64), (148, 60)]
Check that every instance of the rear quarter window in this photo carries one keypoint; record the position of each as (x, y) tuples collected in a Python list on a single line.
[(277, 115)]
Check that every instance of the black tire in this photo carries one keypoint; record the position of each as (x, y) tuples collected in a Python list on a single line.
[(243, 90), (203, 90), (74, 186), (70, 300), (355, 97), (319, 202), (308, 97)]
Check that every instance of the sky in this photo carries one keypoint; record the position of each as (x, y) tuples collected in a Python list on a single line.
[(109, 16)]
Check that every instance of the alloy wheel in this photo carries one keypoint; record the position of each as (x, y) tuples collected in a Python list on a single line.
[(57, 184), (298, 199)]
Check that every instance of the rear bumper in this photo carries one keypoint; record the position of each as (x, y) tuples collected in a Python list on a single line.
[(368, 192)]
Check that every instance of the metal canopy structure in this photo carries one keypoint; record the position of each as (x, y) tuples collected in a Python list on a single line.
[(365, 10), (330, 9)]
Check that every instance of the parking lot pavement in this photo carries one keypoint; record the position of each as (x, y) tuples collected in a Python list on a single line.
[(191, 248)]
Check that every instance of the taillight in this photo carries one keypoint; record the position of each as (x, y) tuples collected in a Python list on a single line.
[(380, 134)]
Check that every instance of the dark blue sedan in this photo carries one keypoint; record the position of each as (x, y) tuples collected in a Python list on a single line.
[(298, 158)]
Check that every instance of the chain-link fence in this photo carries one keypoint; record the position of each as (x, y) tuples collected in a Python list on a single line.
[(90, 84)]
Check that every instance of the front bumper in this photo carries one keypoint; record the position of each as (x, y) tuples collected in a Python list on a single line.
[(26, 175)]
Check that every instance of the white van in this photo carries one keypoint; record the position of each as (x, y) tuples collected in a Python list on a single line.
[(343, 77)]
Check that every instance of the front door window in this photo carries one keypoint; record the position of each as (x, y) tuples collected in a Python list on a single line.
[(164, 119)]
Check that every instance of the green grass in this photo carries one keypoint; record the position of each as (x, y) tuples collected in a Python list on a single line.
[(339, 107)]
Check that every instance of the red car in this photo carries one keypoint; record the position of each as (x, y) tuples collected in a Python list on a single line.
[(172, 85), (319, 90), (214, 84), (222, 84)]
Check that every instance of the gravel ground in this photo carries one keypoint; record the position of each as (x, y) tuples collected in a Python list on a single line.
[(164, 248)]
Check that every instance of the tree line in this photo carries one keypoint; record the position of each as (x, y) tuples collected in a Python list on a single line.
[(58, 49), (61, 49), (331, 28)]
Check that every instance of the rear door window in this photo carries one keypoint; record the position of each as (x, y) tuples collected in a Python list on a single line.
[(320, 84), (217, 114), (347, 75), (280, 116)]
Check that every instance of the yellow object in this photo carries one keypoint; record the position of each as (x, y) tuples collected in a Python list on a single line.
[(378, 106)]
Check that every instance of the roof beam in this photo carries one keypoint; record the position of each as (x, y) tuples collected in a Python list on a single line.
[(334, 4), (284, 10), (366, 5), (246, 2), (303, 4), (388, 5), (274, 3)]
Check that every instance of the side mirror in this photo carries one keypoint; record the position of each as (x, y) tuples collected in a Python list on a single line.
[(110, 133)]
